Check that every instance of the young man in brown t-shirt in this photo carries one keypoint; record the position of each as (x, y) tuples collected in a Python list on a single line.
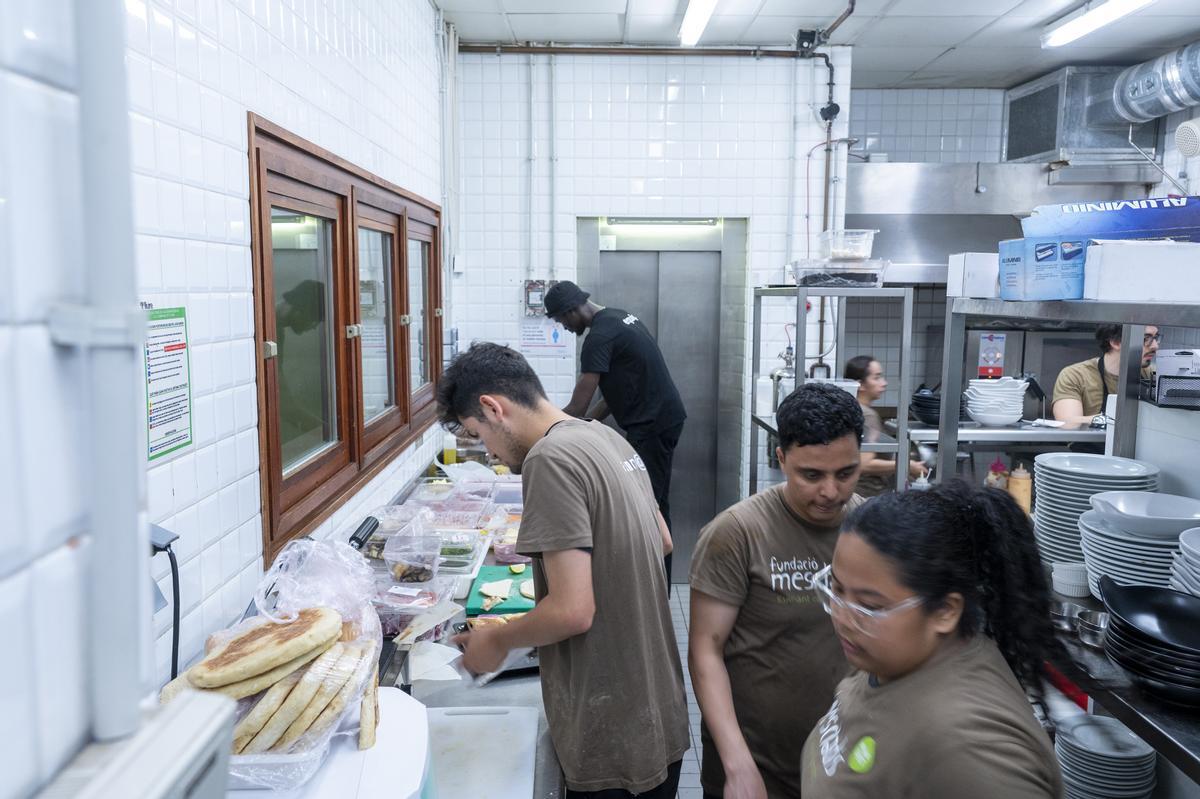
[(763, 656), (612, 680)]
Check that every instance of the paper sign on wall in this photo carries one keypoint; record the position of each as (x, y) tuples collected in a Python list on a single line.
[(991, 354), (544, 336), (168, 382)]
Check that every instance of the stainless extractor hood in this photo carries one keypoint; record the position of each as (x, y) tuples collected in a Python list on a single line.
[(925, 212)]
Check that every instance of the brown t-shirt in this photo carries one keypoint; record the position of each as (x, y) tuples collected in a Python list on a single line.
[(613, 695), (958, 727), (1081, 381), (783, 659), (872, 485)]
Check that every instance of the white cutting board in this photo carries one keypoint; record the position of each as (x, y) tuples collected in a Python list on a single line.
[(483, 752)]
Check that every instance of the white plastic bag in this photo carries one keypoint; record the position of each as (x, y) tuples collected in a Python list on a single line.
[(309, 574)]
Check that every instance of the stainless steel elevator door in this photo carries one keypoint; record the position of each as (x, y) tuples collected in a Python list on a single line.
[(677, 296)]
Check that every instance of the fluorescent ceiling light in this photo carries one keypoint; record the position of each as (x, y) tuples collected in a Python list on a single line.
[(1092, 17), (695, 20), (642, 220)]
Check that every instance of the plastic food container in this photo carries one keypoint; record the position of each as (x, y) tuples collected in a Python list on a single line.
[(413, 558), (456, 520), (509, 494), (459, 543), (398, 605), (506, 553), (393, 518), (839, 274), (432, 489), (847, 245)]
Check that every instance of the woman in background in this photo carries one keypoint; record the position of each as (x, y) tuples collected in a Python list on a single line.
[(878, 471), (939, 600)]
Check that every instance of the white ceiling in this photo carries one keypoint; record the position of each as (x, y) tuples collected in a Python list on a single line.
[(898, 43)]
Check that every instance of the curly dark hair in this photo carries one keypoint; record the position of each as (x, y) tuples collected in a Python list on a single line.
[(485, 368), (959, 538), (817, 413)]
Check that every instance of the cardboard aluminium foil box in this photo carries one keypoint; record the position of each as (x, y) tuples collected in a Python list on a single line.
[(1049, 262)]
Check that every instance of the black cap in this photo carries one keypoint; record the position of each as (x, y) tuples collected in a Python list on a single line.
[(564, 296)]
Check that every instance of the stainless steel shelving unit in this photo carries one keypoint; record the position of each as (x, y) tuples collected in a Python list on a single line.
[(801, 294), (963, 314)]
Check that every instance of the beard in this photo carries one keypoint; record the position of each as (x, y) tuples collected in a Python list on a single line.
[(515, 451)]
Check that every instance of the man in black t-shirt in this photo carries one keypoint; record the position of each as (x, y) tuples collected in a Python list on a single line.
[(622, 359)]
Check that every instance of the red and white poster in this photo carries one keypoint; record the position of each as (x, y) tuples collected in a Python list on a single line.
[(991, 354)]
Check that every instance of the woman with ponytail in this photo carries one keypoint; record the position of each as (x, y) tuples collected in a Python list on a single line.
[(939, 600)]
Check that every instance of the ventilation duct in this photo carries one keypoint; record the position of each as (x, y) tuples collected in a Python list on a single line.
[(1156, 88)]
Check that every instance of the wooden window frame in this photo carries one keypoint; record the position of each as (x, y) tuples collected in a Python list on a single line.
[(287, 171)]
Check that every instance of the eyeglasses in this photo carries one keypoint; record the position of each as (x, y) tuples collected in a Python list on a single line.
[(864, 620), (1155, 337)]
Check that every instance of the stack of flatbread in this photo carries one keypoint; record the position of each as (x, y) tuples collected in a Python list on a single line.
[(305, 673)]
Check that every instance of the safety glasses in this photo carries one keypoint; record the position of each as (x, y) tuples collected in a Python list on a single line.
[(864, 620)]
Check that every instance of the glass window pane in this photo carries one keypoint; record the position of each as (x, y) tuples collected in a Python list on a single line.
[(302, 261), (374, 298), (418, 268)]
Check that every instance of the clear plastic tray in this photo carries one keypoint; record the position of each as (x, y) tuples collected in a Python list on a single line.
[(476, 491), (459, 544), (413, 558), (509, 494), (847, 245), (460, 566), (393, 518), (433, 489)]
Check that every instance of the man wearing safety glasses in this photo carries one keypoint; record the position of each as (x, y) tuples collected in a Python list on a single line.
[(764, 659)]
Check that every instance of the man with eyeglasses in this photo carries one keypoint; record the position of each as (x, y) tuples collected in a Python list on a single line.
[(1082, 389), (764, 660)]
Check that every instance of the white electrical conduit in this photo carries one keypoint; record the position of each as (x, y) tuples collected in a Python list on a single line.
[(529, 273), (111, 326), (791, 199), (553, 172)]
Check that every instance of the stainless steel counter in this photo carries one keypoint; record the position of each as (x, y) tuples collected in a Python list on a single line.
[(517, 690), (1023, 433)]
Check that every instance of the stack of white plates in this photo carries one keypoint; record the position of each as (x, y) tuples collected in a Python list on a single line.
[(1128, 558), (995, 403), (1064, 483), (1185, 571), (1101, 759)]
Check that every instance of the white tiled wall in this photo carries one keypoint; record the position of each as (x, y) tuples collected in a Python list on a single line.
[(359, 78), (873, 327), (43, 539), (928, 125), (636, 136)]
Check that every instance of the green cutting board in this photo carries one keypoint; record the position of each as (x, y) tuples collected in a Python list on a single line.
[(515, 602)]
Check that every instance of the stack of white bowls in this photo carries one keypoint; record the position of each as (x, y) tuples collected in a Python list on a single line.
[(1133, 536), (1185, 571), (1063, 486), (996, 403), (1070, 579)]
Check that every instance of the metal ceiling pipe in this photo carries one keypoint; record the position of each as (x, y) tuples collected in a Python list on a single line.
[(559, 49), (1159, 87), (837, 23)]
